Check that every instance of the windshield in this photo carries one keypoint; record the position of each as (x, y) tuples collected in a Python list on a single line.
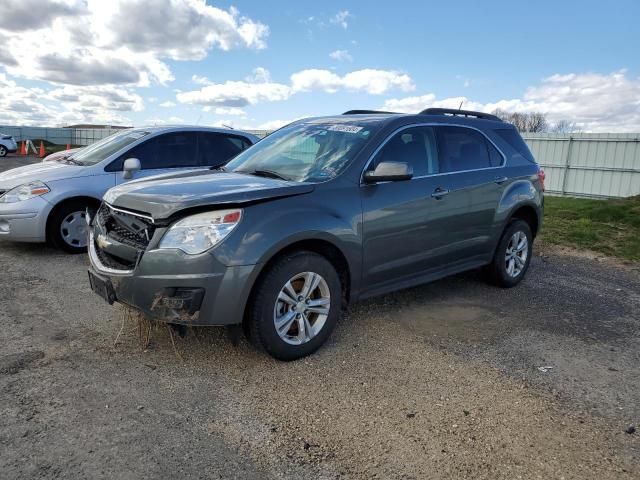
[(304, 152), (96, 152)]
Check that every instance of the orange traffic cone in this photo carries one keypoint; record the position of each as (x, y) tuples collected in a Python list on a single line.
[(23, 148), (41, 152), (68, 147)]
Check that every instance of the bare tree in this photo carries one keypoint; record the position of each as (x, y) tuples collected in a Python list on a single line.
[(525, 122), (564, 126)]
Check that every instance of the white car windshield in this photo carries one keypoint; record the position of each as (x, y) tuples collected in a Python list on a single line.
[(304, 152), (96, 152)]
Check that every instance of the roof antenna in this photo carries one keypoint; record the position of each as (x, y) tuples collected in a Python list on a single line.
[(227, 126), (461, 102), (198, 121)]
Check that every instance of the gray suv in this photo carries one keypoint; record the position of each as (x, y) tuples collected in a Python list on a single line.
[(322, 213)]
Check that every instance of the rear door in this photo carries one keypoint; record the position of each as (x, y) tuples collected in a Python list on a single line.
[(471, 179), (162, 153)]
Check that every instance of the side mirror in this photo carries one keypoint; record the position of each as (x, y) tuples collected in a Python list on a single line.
[(389, 172), (130, 165)]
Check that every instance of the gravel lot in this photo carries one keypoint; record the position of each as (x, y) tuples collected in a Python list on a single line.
[(439, 381)]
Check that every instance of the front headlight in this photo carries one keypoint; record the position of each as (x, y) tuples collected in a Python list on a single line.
[(198, 233), (24, 192)]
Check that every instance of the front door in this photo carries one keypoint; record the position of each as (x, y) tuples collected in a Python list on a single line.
[(396, 214)]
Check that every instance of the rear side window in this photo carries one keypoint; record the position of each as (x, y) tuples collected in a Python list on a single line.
[(216, 149), (462, 149), (513, 138), (415, 146)]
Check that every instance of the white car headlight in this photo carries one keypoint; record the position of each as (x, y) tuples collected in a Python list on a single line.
[(198, 233), (24, 192)]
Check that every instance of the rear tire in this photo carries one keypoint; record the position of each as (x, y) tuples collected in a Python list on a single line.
[(3, 151), (295, 306), (65, 230), (513, 255)]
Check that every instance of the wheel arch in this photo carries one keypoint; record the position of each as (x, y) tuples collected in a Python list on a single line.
[(529, 214), (78, 198), (321, 246)]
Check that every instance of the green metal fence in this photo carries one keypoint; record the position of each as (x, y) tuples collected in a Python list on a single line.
[(599, 165)]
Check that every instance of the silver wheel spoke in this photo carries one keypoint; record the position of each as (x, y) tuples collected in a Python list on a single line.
[(302, 329), (308, 328), (519, 261), (283, 323), (286, 298)]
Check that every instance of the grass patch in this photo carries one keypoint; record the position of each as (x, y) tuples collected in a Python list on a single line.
[(611, 227)]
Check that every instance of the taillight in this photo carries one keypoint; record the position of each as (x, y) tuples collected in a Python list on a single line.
[(541, 177)]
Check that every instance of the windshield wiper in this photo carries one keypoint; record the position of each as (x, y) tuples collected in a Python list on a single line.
[(266, 173)]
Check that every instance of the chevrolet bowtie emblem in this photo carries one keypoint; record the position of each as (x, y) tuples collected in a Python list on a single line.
[(102, 241)]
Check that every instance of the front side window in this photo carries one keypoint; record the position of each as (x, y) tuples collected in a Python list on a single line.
[(415, 146), (462, 149), (306, 152)]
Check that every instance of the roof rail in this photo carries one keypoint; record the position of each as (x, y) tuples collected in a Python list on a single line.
[(461, 113), (359, 112)]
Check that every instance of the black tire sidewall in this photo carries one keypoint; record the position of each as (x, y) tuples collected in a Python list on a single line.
[(54, 226), (499, 268), (262, 329), (3, 151)]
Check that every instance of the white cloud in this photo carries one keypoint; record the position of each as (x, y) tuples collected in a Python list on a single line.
[(167, 104), (594, 102), (255, 89), (367, 80), (65, 105), (341, 18), (229, 111), (240, 125), (97, 42), (200, 80), (259, 87), (341, 55)]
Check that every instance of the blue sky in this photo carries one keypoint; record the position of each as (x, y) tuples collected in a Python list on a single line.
[(257, 64)]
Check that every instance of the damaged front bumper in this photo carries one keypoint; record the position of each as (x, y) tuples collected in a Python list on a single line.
[(171, 286)]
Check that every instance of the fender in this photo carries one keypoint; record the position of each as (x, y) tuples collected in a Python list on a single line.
[(518, 194)]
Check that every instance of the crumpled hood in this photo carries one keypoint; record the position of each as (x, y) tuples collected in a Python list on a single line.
[(164, 195), (43, 171)]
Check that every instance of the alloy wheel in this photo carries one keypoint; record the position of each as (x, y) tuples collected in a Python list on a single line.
[(302, 308), (517, 253)]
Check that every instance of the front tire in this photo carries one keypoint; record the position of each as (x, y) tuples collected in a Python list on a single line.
[(67, 227), (295, 306), (3, 151), (513, 255)]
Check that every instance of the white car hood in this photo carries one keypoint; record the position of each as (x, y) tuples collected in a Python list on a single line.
[(43, 171)]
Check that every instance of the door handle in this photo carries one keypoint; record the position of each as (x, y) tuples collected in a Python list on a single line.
[(439, 193), (500, 180)]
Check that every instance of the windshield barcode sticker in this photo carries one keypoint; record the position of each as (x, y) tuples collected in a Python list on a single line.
[(344, 128)]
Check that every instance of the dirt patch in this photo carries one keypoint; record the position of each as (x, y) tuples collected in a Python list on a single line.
[(13, 363)]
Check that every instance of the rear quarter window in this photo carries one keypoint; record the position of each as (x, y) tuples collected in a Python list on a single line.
[(513, 138)]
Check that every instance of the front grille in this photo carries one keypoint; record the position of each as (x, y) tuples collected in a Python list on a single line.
[(126, 228), (111, 261)]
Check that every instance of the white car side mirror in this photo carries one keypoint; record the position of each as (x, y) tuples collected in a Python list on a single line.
[(130, 165)]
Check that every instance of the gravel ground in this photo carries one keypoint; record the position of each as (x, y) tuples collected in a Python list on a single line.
[(439, 381)]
